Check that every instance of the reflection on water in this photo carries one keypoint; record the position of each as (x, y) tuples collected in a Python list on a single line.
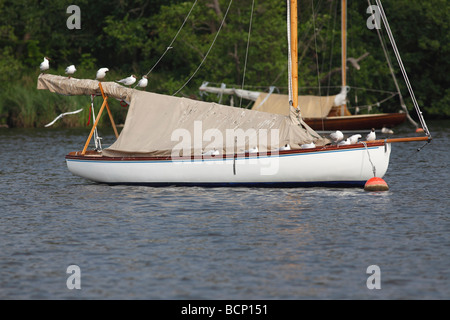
[(134, 242)]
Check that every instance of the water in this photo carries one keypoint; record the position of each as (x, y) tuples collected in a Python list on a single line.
[(219, 243)]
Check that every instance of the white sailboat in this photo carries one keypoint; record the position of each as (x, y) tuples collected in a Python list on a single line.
[(168, 140)]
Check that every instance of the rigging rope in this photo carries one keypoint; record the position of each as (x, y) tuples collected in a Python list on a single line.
[(173, 40), (207, 53), (402, 68), (391, 69), (317, 59), (246, 52)]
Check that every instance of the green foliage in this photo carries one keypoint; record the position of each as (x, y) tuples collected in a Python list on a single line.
[(131, 36)]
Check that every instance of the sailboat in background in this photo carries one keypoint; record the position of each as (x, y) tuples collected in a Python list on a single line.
[(168, 140), (323, 113)]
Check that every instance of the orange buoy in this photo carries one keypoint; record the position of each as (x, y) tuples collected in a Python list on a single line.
[(376, 184), (419, 130)]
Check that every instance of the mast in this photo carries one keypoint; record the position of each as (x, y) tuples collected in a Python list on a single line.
[(294, 52), (343, 48)]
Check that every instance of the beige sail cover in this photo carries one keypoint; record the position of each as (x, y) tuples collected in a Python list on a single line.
[(160, 125), (310, 106)]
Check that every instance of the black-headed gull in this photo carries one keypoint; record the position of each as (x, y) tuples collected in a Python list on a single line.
[(101, 73), (70, 70), (371, 136), (337, 136), (143, 82), (128, 81), (285, 147), (308, 145), (213, 152), (62, 115), (386, 130), (344, 142), (354, 138), (45, 65)]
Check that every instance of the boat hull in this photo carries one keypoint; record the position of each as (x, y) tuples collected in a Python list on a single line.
[(348, 166), (357, 122)]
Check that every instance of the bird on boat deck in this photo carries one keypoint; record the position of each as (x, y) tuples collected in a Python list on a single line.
[(308, 145), (45, 65), (70, 70), (354, 138), (213, 152), (341, 98), (253, 150), (143, 82), (371, 136), (344, 142), (285, 147), (128, 81), (101, 73), (337, 136), (386, 130)]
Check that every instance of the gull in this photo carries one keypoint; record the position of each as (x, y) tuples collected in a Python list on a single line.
[(285, 147), (70, 70), (344, 142), (308, 145), (386, 130), (101, 73), (337, 136), (128, 81), (253, 150), (354, 138), (143, 82), (341, 98), (62, 115), (211, 152), (45, 64), (371, 136)]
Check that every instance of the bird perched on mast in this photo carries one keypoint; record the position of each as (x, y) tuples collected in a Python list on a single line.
[(128, 81), (143, 82), (101, 73), (70, 70), (45, 65)]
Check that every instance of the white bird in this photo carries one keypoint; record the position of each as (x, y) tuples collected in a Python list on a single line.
[(371, 136), (341, 98), (45, 65), (101, 73), (143, 82), (308, 145), (62, 115), (344, 142), (213, 152), (253, 150), (354, 138), (128, 81), (70, 70), (285, 147), (386, 130), (337, 136)]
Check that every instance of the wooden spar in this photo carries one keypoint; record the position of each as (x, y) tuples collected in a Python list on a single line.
[(105, 104), (410, 139), (294, 53), (109, 111), (93, 127), (343, 48)]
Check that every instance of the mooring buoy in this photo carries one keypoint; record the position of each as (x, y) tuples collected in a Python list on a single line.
[(376, 184)]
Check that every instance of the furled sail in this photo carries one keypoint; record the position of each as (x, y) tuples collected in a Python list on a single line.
[(157, 124)]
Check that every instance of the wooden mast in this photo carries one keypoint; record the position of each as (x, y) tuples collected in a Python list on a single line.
[(343, 49), (294, 52)]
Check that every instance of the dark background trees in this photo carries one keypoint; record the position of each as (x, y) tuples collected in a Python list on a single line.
[(130, 36)]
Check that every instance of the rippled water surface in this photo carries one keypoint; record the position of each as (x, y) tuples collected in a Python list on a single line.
[(220, 243)]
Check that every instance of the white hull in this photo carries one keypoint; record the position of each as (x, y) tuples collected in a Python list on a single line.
[(321, 166)]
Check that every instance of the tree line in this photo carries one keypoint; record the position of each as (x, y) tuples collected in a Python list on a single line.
[(132, 37)]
